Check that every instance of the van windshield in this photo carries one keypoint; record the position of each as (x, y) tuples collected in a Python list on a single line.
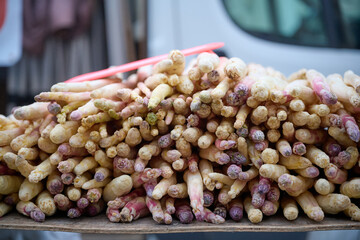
[(321, 23)]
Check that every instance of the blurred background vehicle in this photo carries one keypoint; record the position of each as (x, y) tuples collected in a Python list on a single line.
[(285, 34)]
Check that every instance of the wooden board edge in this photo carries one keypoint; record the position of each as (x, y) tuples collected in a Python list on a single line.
[(184, 229)]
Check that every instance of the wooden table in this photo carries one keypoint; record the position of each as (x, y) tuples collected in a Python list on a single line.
[(100, 224)]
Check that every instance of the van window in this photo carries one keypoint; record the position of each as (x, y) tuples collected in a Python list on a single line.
[(350, 16), (301, 22)]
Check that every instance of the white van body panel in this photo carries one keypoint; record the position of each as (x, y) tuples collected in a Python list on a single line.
[(180, 24)]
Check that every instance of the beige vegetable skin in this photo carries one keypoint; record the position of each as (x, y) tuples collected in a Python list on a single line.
[(333, 203), (117, 187), (85, 165), (254, 215), (159, 94), (162, 187), (353, 211), (272, 171), (29, 190), (290, 209), (351, 188), (41, 171), (10, 184), (310, 206), (5, 208), (63, 132), (323, 186), (46, 203)]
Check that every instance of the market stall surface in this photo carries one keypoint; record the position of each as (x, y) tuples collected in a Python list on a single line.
[(100, 224)]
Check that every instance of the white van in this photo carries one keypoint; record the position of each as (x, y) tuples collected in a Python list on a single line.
[(285, 34)]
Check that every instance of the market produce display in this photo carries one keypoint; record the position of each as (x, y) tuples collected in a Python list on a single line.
[(217, 139)]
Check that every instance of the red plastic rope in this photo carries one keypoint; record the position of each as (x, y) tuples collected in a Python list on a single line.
[(140, 63)]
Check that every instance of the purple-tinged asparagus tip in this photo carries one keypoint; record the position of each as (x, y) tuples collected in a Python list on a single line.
[(242, 132), (236, 213), (334, 149), (56, 187), (268, 208), (165, 141), (331, 172), (149, 187), (328, 97), (208, 198), (220, 211), (299, 148), (193, 120), (243, 176), (233, 171), (287, 152), (227, 144), (64, 149), (82, 203), (234, 99), (95, 209), (67, 178), (257, 135), (74, 213), (54, 108), (317, 215), (199, 215), (273, 195), (260, 146), (139, 167), (236, 157), (37, 215), (93, 195), (224, 158), (75, 115), (284, 180), (313, 172), (149, 192), (99, 177), (185, 217), (264, 188), (341, 159), (152, 173), (258, 200), (354, 134), (242, 90)]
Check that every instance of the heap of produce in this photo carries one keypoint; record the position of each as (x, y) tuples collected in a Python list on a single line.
[(216, 140)]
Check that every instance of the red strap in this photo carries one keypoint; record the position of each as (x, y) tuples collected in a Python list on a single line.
[(140, 63), (2, 12)]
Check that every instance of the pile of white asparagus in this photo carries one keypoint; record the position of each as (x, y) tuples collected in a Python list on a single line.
[(203, 142)]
